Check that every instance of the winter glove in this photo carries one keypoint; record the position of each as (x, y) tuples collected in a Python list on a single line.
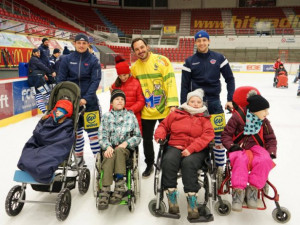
[(273, 156), (234, 148)]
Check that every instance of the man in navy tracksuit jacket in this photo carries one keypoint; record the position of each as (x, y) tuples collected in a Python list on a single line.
[(84, 69), (202, 70), (45, 52)]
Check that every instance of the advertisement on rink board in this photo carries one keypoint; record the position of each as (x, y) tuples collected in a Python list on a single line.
[(6, 101), (24, 100)]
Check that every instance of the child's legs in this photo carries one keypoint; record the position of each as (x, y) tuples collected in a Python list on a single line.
[(121, 155), (79, 142), (189, 168), (261, 166), (108, 165), (239, 172), (170, 166)]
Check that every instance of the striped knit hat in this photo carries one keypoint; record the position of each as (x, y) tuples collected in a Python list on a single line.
[(117, 93)]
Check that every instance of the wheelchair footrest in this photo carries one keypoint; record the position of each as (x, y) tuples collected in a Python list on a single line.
[(168, 215), (206, 218)]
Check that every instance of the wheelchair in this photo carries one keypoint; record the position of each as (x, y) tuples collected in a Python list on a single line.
[(132, 178), (61, 181), (206, 178), (223, 207)]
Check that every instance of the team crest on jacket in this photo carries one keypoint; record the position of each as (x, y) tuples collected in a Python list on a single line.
[(213, 61)]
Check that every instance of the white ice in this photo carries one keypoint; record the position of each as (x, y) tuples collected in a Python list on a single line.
[(283, 115)]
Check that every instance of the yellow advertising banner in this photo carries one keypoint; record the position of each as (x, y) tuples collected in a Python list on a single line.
[(169, 29)]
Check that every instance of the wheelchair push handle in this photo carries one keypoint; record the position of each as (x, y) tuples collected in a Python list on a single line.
[(162, 142)]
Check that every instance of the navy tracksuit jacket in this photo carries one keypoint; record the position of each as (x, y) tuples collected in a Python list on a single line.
[(203, 70)]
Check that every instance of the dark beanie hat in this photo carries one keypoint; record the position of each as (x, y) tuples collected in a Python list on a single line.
[(35, 50), (44, 39), (56, 50), (117, 93), (81, 37), (257, 103)]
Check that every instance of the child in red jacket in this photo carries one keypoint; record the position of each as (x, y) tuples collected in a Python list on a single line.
[(190, 132), (135, 100)]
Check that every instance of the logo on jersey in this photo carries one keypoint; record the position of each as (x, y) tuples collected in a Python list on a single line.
[(213, 61)]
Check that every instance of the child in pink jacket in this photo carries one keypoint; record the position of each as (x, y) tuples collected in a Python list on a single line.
[(250, 156)]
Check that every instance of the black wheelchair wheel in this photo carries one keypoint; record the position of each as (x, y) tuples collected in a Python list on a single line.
[(63, 204), (281, 217), (152, 207), (12, 205), (84, 180), (223, 210)]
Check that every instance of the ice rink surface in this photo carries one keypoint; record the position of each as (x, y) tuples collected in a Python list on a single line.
[(284, 117)]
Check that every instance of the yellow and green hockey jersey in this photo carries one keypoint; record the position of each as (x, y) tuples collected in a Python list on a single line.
[(158, 82)]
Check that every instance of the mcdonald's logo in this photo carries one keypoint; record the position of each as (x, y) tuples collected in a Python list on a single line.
[(28, 55), (18, 55)]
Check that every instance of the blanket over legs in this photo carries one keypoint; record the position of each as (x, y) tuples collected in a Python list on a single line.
[(49, 146)]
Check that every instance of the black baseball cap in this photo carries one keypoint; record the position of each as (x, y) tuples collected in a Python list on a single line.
[(81, 37)]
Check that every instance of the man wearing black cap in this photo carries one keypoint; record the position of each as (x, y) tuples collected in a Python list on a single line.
[(84, 69), (54, 58), (202, 70), (37, 79), (45, 52)]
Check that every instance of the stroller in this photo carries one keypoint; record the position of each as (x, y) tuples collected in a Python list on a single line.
[(223, 207), (281, 79), (61, 181)]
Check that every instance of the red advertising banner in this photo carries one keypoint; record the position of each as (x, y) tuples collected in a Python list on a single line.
[(11, 56), (6, 101), (38, 30)]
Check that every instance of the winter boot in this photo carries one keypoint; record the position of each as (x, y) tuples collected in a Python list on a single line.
[(103, 199), (251, 197), (238, 196), (148, 171), (80, 162), (172, 194), (118, 192), (192, 205)]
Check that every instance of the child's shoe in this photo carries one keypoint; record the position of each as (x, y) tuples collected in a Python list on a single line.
[(192, 205), (172, 200), (80, 162), (251, 197), (118, 192), (104, 197), (238, 196)]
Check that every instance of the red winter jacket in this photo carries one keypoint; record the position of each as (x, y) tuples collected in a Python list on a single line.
[(276, 65), (235, 125), (135, 100), (192, 132)]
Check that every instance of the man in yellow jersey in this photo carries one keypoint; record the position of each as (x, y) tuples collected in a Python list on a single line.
[(157, 78)]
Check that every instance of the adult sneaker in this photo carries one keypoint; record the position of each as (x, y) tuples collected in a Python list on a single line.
[(148, 171)]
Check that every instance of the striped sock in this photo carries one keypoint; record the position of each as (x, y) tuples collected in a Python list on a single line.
[(219, 151), (39, 99), (94, 142), (79, 142)]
